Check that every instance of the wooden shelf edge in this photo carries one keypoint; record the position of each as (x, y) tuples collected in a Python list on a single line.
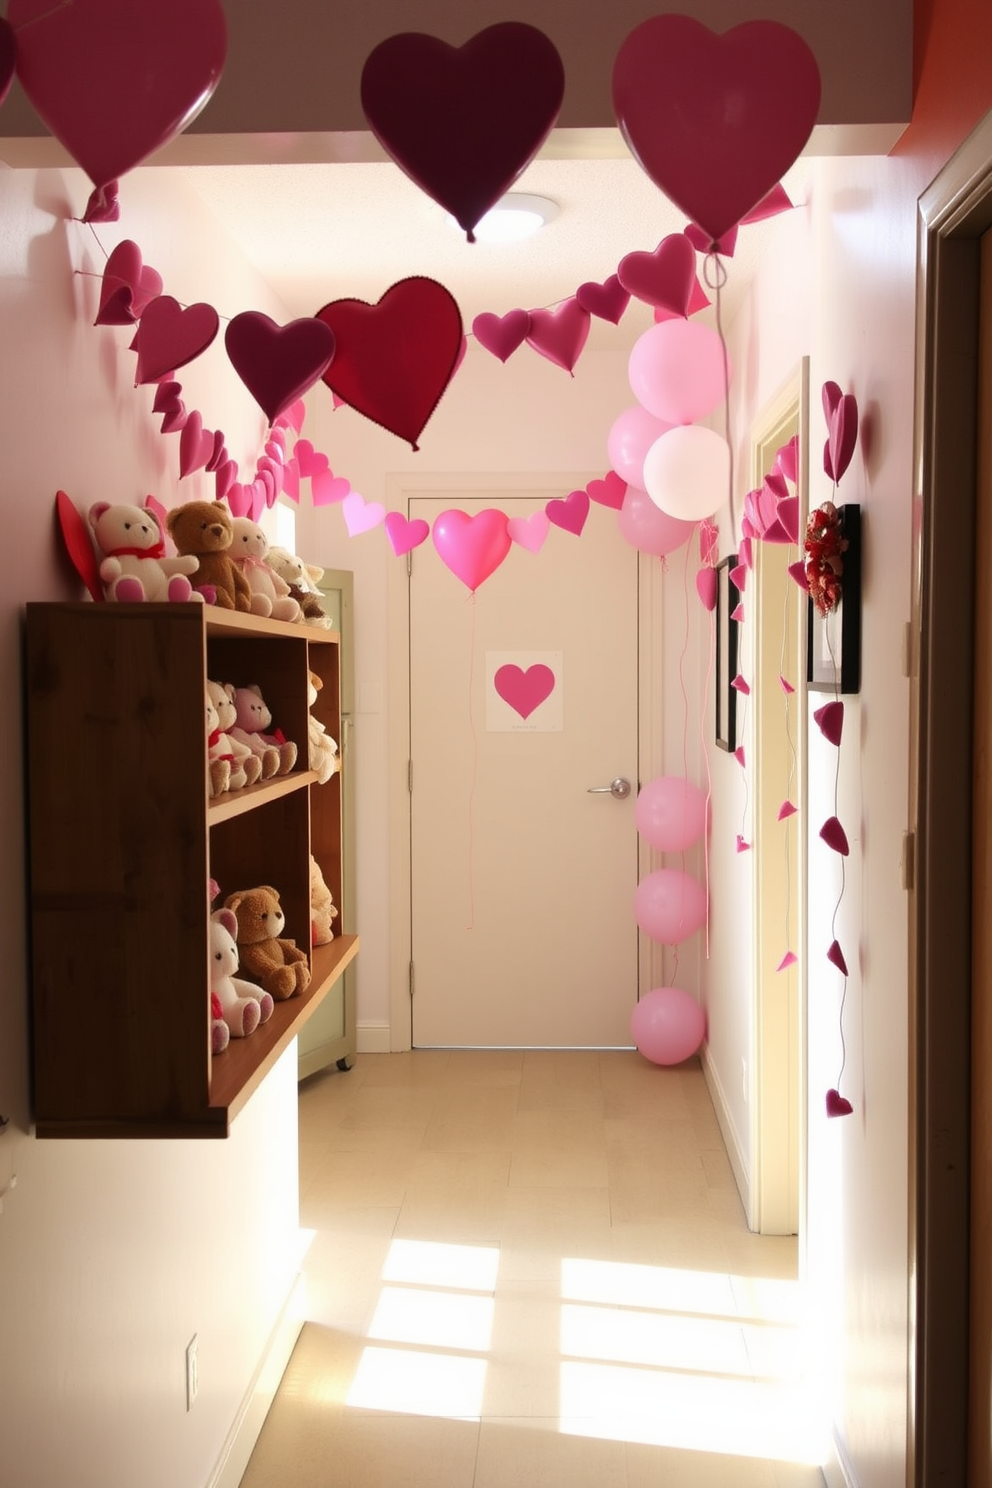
[(236, 621), (213, 1123), (233, 803)]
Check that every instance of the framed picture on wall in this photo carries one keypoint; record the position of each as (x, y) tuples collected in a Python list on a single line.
[(833, 644), (727, 600)]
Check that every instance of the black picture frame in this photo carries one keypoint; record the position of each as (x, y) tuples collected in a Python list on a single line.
[(727, 600), (833, 641)]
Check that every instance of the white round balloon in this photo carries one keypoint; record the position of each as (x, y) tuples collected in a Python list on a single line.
[(687, 472)]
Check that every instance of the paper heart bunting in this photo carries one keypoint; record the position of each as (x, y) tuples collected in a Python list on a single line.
[(560, 334), (361, 515), (8, 58), (394, 359), (797, 571), (841, 410), (405, 535), (224, 478), (239, 499), (277, 364), (309, 461), (524, 691), (742, 846), (113, 80), (663, 278), (169, 336), (464, 122), (837, 1104), (609, 491), (529, 532), (570, 513), (715, 121), (166, 397), (739, 756), (706, 587), (737, 613), (836, 956), (740, 685), (174, 417), (787, 459), (294, 417), (789, 959), (501, 334), (786, 810), (834, 836), (785, 685), (698, 300), (472, 547), (777, 200), (738, 577), (608, 300), (291, 479), (218, 454), (830, 720), (326, 488)]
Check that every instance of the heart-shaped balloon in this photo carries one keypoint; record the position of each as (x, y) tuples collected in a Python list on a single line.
[(715, 121), (560, 334), (529, 532), (464, 122), (472, 547), (607, 300), (113, 80), (395, 359), (169, 336), (524, 690), (501, 334), (609, 491), (8, 58), (277, 364), (665, 277), (127, 287), (569, 513), (405, 535)]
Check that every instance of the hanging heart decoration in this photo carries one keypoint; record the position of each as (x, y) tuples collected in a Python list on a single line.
[(530, 532), (609, 491), (464, 122), (327, 489), (169, 336), (277, 364), (560, 334), (570, 513), (127, 287), (664, 278), (607, 300), (114, 80), (841, 412), (524, 691), (394, 359), (472, 547), (837, 1104), (501, 334), (405, 535), (361, 515)]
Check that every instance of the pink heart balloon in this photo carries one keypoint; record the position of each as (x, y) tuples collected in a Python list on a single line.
[(607, 300), (665, 277), (113, 80), (570, 513), (609, 491), (529, 532), (361, 515), (127, 286), (195, 444), (326, 488), (560, 334), (715, 121), (405, 535), (524, 690), (472, 547), (169, 336), (501, 334), (277, 364)]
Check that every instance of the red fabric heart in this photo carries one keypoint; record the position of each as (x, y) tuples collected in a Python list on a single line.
[(405, 535), (169, 336), (113, 80), (464, 122), (277, 364), (665, 277), (76, 537), (837, 1104), (834, 836), (501, 334), (560, 334), (715, 121), (524, 691), (570, 513), (473, 547), (607, 300), (127, 286), (609, 491), (395, 359)]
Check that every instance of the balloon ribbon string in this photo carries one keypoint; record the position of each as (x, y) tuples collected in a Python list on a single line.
[(475, 771), (718, 281)]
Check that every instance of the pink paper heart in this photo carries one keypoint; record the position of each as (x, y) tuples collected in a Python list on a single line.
[(607, 300), (709, 541), (291, 479), (737, 613), (293, 418), (786, 810), (272, 467), (843, 435), (797, 571), (275, 446), (789, 959), (609, 491), (524, 690), (664, 277), (169, 336), (472, 547), (309, 461), (745, 552), (836, 956), (788, 516), (834, 836), (739, 756), (257, 493), (738, 577), (405, 535), (361, 515), (326, 488), (174, 417), (777, 200), (529, 532), (837, 1104), (787, 459), (785, 685), (277, 364), (830, 720), (269, 485), (501, 334), (218, 454), (569, 513), (742, 846), (224, 478), (166, 397), (740, 685), (239, 499), (196, 444), (560, 334), (706, 587), (127, 286), (724, 245)]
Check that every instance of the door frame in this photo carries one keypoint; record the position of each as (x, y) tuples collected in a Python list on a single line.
[(400, 489)]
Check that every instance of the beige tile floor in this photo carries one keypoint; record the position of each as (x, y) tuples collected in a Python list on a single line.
[(532, 1270)]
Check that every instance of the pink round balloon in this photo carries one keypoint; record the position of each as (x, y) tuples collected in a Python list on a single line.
[(676, 371), (629, 440), (669, 905), (668, 1025), (647, 528), (670, 813), (687, 472)]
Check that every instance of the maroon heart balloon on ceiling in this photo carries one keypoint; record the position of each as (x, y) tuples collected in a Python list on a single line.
[(393, 360), (464, 122), (8, 58), (277, 364), (115, 80), (715, 121)]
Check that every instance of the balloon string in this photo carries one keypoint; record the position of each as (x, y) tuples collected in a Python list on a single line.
[(713, 264), (475, 770)]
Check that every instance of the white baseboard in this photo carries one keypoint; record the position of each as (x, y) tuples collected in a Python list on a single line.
[(247, 1425), (738, 1159), (372, 1038)]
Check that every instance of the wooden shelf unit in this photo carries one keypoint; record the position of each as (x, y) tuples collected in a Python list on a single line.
[(123, 839)]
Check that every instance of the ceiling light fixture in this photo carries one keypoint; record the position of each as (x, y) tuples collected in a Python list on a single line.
[(515, 217)]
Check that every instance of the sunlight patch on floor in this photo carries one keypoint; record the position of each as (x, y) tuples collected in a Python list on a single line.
[(413, 1382)]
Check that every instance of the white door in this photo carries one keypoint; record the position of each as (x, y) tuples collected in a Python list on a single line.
[(523, 698)]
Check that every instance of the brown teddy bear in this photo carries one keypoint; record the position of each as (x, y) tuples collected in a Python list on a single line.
[(204, 529), (276, 964)]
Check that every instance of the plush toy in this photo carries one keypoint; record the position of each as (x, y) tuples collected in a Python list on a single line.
[(277, 964), (246, 767), (218, 755), (270, 594), (302, 579), (243, 1007), (203, 529), (322, 910), (134, 566), (277, 753), (220, 1034), (322, 749)]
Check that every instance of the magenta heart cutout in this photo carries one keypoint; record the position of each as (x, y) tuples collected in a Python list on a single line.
[(463, 122), (277, 364), (609, 491), (797, 571), (529, 532), (169, 336), (787, 460), (665, 277), (569, 513), (405, 535), (834, 836), (127, 287), (114, 81), (326, 488), (788, 515), (738, 577), (239, 499), (524, 690), (715, 121), (166, 397), (706, 586), (224, 478), (472, 547), (830, 720), (837, 1104), (836, 957), (309, 461), (218, 453), (361, 515), (560, 334), (786, 810), (196, 444), (501, 334), (607, 300), (842, 438), (789, 959), (291, 479)]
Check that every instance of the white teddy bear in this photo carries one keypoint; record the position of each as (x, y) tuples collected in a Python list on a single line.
[(243, 1005), (246, 767), (134, 566), (302, 579), (323, 750), (270, 594)]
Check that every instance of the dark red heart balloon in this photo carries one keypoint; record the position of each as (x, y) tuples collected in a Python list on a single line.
[(501, 334), (560, 334), (607, 300), (277, 364), (8, 58), (464, 122), (394, 359)]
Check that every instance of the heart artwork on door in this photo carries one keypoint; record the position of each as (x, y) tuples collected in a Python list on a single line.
[(525, 695)]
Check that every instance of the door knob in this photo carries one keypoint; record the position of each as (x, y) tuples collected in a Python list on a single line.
[(619, 788)]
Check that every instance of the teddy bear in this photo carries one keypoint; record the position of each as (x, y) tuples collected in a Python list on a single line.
[(203, 530), (270, 594), (246, 766), (277, 964), (134, 566), (218, 755), (302, 579), (322, 749), (277, 753), (322, 910), (243, 1007)]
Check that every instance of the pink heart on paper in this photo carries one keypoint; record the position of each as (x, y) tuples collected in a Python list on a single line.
[(529, 532), (837, 1104), (277, 364), (291, 479), (361, 515), (740, 685), (309, 460), (501, 334), (830, 720), (239, 499), (834, 836), (569, 513), (609, 491), (706, 586), (724, 245), (405, 535), (836, 957), (127, 286), (524, 690), (472, 547), (196, 444), (169, 336), (560, 334), (607, 300), (326, 488), (664, 277), (841, 410)]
